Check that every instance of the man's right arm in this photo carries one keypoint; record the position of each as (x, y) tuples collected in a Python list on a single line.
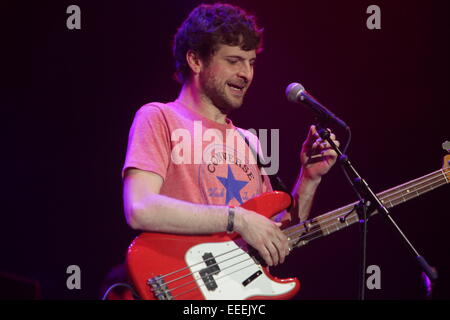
[(147, 210)]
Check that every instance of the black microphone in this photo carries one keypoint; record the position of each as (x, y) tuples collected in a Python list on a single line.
[(296, 93)]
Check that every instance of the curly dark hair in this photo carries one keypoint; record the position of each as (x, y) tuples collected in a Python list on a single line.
[(209, 25)]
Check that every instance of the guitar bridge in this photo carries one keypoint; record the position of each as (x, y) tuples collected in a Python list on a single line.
[(159, 288)]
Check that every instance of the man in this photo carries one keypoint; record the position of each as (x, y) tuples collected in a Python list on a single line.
[(165, 189)]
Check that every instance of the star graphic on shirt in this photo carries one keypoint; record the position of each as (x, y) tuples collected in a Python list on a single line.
[(232, 186)]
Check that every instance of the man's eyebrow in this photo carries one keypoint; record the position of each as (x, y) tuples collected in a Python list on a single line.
[(239, 57)]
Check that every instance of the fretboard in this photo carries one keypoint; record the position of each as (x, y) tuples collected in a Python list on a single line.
[(343, 217)]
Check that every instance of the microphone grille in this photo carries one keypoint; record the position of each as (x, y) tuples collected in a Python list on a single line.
[(293, 90)]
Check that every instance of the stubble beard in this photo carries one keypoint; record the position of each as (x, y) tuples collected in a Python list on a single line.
[(215, 92)]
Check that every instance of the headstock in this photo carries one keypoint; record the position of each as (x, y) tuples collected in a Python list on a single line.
[(446, 146)]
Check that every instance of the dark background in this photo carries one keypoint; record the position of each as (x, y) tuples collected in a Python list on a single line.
[(69, 97)]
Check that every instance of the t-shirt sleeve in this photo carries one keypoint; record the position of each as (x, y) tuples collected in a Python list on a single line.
[(148, 142)]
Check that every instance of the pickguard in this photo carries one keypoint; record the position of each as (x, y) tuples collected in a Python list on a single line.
[(231, 274)]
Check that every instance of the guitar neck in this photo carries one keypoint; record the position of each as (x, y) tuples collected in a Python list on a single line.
[(343, 217)]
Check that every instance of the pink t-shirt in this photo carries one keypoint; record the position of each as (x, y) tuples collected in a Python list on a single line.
[(200, 161)]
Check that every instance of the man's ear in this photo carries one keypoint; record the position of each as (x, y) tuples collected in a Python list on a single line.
[(194, 61)]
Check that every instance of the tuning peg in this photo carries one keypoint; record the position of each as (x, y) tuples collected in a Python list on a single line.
[(446, 146)]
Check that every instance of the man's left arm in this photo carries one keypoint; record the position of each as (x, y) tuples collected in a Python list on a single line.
[(316, 157)]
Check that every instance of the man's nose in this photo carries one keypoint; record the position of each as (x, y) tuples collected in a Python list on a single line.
[(246, 71)]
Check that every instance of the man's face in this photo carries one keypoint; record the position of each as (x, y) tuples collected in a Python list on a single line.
[(227, 77)]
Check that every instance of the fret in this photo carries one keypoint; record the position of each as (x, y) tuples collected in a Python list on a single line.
[(391, 205), (345, 222), (332, 223), (335, 227), (410, 196), (302, 243), (396, 202), (407, 197)]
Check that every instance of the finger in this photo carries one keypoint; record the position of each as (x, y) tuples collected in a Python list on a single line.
[(313, 131), (337, 143), (283, 249), (273, 252), (326, 145), (278, 242), (318, 148), (315, 148), (266, 255), (329, 153), (316, 145), (312, 135), (324, 155), (282, 245)]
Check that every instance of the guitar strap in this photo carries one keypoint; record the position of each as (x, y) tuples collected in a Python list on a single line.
[(275, 181)]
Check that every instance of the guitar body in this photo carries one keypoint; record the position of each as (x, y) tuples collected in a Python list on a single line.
[(212, 267)]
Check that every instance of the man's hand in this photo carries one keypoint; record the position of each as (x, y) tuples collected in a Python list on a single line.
[(262, 234), (317, 155)]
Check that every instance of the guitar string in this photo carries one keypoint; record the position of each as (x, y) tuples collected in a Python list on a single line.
[(198, 286), (186, 275), (296, 240), (218, 278), (195, 264), (222, 269)]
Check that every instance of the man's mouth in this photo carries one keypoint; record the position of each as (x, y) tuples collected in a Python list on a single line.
[(236, 87)]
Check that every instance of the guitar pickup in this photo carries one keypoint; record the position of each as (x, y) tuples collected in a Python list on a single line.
[(247, 281), (212, 268), (211, 264)]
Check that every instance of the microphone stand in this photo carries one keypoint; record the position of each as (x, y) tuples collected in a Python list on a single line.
[(369, 203)]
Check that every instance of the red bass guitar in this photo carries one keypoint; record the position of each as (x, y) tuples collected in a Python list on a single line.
[(221, 266)]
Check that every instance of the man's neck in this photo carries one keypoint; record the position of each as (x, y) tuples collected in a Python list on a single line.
[(193, 99)]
